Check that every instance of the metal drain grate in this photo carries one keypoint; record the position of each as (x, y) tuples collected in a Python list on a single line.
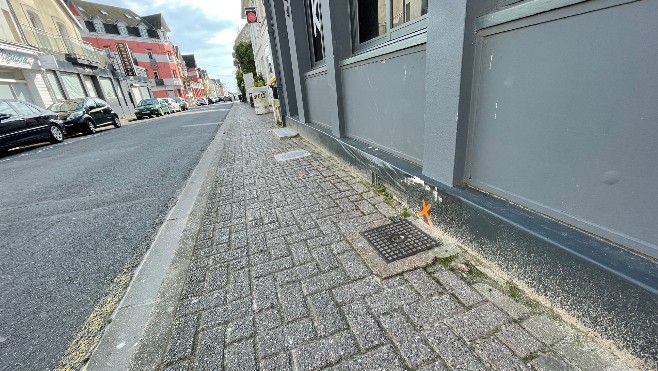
[(398, 240)]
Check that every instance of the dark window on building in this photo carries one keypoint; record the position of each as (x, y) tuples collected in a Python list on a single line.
[(90, 26), (407, 10), (372, 19), (376, 19), (111, 29), (317, 34), (153, 34), (133, 31)]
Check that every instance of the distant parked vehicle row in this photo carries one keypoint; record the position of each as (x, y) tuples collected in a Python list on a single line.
[(202, 102), (24, 123)]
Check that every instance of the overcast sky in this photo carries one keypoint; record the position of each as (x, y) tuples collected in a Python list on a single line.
[(205, 28)]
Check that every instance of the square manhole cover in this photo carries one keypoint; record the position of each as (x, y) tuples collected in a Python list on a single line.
[(399, 240)]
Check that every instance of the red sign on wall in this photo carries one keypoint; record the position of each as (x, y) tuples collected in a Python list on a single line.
[(252, 17)]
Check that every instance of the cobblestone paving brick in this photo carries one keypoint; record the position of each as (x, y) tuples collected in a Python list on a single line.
[(478, 321), (458, 287), (268, 319), (545, 329), (240, 329), (298, 332), (500, 356), (427, 311), (264, 293), (452, 349), (325, 258), (434, 366), (364, 326), (326, 315), (423, 282), (279, 362), (353, 265), (275, 284), (324, 352), (392, 299), (240, 356), (324, 281), (411, 345), (182, 339), (383, 358), (551, 362), (504, 302), (519, 340), (293, 302), (297, 273), (239, 285), (210, 351)]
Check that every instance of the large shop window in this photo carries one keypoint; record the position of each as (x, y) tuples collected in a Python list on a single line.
[(72, 85), (317, 35), (379, 21), (108, 89), (54, 83)]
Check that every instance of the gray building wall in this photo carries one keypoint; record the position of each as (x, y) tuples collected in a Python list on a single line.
[(384, 101), (519, 130), (317, 90), (564, 118)]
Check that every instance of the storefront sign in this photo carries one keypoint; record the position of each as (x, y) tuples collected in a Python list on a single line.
[(126, 57), (10, 57)]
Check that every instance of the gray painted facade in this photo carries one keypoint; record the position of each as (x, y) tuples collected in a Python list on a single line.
[(534, 102), (549, 105)]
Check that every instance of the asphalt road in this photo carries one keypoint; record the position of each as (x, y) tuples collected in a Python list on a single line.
[(74, 215)]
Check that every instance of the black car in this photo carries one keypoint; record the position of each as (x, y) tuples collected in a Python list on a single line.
[(23, 123), (85, 114)]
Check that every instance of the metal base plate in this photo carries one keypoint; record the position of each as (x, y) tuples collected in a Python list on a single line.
[(399, 240)]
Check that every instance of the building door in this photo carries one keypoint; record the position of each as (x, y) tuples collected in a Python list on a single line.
[(564, 120), (89, 85)]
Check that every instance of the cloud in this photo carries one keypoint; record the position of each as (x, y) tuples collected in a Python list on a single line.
[(224, 38)]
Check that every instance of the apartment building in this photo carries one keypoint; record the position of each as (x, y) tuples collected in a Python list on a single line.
[(44, 60), (138, 45), (194, 73)]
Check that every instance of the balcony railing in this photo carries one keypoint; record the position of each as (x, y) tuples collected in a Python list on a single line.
[(159, 82), (141, 71), (75, 49), (154, 63)]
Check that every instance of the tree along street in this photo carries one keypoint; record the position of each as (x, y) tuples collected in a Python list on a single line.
[(76, 216)]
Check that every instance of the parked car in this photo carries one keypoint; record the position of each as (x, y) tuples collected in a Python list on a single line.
[(85, 114), (228, 99), (183, 104), (151, 107), (173, 105), (201, 102), (22, 123)]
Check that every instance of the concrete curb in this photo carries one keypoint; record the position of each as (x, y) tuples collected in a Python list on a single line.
[(141, 323)]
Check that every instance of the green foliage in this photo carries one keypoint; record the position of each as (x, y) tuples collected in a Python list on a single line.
[(447, 261), (243, 53), (244, 57)]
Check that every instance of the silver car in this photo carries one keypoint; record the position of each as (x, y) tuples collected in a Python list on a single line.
[(173, 105)]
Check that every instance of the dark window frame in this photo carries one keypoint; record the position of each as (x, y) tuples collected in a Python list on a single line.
[(390, 35), (315, 61)]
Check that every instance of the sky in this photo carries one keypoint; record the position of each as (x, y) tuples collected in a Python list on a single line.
[(205, 28)]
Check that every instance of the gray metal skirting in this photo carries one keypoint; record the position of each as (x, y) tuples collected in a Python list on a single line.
[(607, 288)]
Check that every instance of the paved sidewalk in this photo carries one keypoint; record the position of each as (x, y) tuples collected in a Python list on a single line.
[(275, 283)]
